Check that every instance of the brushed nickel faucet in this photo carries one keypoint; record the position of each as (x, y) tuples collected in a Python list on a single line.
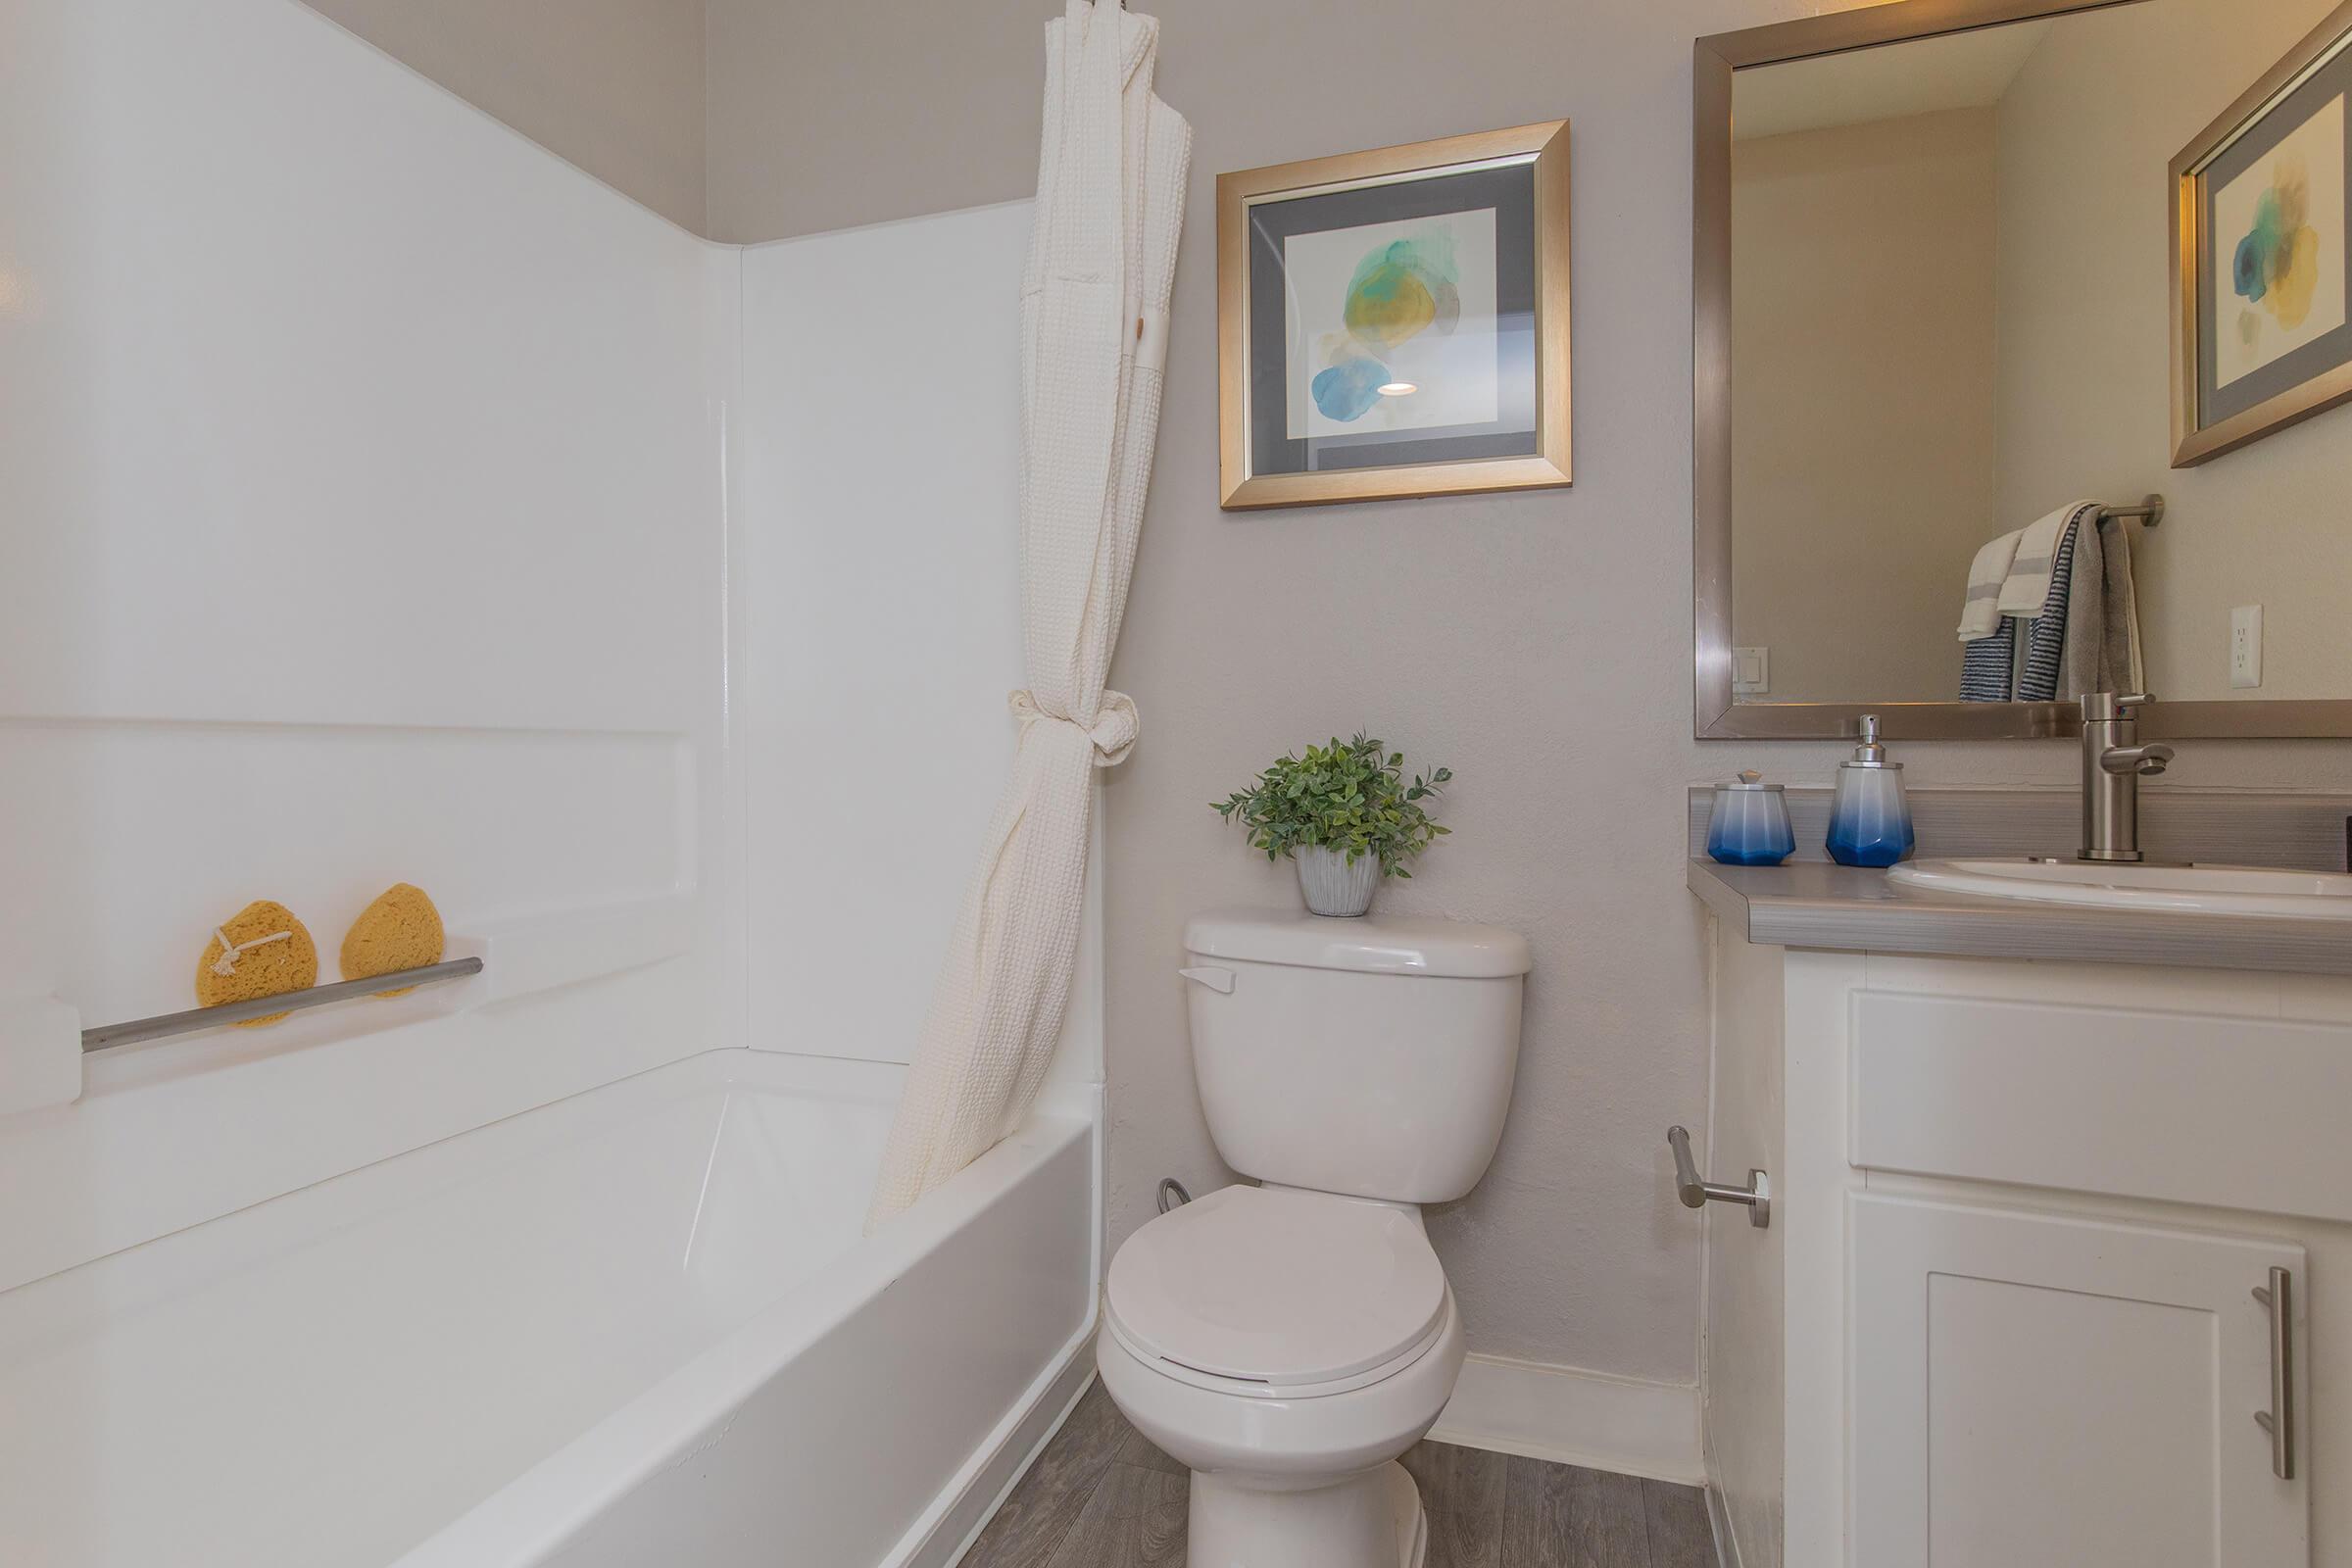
[(2113, 762)]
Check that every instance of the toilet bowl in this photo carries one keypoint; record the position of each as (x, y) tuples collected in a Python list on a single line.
[(1286, 1347), (1288, 1342)]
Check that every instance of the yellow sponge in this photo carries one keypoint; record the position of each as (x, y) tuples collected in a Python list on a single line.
[(400, 930), (260, 950)]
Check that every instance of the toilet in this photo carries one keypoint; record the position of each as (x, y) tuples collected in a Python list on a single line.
[(1289, 1341)]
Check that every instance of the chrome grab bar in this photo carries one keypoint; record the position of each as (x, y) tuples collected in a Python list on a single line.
[(2280, 1419), (180, 1023), (1696, 1193)]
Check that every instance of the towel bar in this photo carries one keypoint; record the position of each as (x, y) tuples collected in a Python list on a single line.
[(195, 1019), (2150, 512)]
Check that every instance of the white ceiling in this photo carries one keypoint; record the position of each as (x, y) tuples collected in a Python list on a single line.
[(1956, 70)]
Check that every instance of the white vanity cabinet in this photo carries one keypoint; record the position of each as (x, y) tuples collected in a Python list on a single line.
[(2006, 1315), (2042, 1389)]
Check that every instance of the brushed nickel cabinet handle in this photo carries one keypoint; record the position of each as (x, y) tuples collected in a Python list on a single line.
[(2280, 1419), (1694, 1193)]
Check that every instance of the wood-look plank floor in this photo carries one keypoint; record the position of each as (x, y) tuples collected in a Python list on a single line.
[(1102, 1495)]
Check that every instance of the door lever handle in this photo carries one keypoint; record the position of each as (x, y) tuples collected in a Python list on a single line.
[(1696, 1193)]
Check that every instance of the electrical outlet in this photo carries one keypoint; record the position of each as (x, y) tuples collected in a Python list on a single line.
[(1751, 672), (2245, 646)]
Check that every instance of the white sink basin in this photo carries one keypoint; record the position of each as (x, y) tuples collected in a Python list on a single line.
[(2188, 889)]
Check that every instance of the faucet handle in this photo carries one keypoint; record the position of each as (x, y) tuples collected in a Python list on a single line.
[(2100, 707)]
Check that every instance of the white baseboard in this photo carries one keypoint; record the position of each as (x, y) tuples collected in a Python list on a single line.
[(1571, 1416)]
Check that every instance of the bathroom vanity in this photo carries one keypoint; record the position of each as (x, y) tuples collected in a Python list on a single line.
[(2057, 1261), (2058, 1268)]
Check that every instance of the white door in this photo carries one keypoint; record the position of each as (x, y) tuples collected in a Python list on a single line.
[(2034, 1391)]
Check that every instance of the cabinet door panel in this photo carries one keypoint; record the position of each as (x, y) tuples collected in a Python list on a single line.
[(2029, 1389)]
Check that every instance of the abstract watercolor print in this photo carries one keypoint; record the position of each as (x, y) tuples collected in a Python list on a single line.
[(1391, 325), (2280, 234)]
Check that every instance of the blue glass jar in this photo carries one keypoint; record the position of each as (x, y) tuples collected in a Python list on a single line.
[(1870, 820), (1751, 823)]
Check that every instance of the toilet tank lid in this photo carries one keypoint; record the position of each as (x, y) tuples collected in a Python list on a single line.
[(1379, 944)]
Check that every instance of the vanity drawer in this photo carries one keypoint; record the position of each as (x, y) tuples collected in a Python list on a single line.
[(2234, 1113)]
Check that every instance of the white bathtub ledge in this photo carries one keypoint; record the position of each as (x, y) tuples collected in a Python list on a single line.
[(690, 1429)]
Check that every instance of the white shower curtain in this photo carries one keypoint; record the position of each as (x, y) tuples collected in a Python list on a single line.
[(1094, 330)]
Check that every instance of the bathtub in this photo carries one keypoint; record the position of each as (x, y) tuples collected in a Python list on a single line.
[(637, 1326)]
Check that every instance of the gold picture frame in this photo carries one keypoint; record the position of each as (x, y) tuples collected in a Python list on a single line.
[(2209, 420), (1266, 463)]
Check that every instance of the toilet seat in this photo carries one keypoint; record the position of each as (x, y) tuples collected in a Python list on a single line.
[(1277, 1293)]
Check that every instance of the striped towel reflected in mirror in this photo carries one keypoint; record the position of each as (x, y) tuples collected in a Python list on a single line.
[(1987, 665), (2084, 635), (1989, 637), (2045, 633)]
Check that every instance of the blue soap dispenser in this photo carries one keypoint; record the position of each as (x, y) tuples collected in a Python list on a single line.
[(1870, 821)]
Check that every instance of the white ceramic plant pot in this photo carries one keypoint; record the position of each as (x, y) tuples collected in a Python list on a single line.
[(1334, 887)]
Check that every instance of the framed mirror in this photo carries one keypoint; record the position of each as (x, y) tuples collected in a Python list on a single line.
[(2022, 368)]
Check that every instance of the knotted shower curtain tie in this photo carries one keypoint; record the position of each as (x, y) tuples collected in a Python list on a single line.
[(1112, 732)]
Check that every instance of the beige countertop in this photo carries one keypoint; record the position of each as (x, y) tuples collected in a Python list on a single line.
[(1814, 903)]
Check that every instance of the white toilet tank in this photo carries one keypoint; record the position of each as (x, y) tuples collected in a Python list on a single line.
[(1371, 1058)]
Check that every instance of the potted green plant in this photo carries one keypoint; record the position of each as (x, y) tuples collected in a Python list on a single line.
[(1346, 812)]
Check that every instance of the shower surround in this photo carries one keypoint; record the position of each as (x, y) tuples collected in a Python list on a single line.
[(390, 501)]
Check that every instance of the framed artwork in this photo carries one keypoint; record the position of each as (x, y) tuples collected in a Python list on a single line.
[(1395, 322), (2264, 332)]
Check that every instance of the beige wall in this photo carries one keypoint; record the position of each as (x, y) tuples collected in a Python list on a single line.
[(827, 114), (1862, 395), (2087, 128), (614, 86), (1539, 643)]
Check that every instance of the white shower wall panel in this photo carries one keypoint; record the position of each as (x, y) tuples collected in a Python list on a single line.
[(349, 405), (381, 499), (360, 520), (878, 509)]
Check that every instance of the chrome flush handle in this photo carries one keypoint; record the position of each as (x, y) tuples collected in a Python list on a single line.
[(1696, 1193)]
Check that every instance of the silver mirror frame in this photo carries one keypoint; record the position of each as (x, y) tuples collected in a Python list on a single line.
[(1717, 714)]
